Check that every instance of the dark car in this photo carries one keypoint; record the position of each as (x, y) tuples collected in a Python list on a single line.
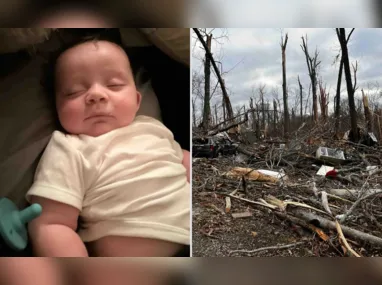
[(205, 147), (227, 147), (213, 147)]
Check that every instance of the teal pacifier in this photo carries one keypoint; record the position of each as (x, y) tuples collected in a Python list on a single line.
[(13, 223)]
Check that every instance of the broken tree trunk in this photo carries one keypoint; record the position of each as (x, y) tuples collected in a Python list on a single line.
[(216, 115), (338, 97), (252, 113), (230, 126), (285, 95), (312, 64), (207, 96), (274, 115), (324, 98), (349, 86), (193, 113), (227, 102), (299, 84), (262, 107), (368, 119)]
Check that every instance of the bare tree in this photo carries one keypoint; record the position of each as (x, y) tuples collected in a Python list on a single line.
[(197, 94), (368, 116), (207, 95), (252, 113), (338, 96), (285, 95), (312, 63), (227, 102), (299, 84), (341, 34), (323, 100), (261, 90), (275, 115)]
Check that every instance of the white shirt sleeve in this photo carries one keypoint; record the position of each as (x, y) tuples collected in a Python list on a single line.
[(59, 174)]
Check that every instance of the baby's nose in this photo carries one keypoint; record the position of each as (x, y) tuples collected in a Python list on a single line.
[(96, 96)]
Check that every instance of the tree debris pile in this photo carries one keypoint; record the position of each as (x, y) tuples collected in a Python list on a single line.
[(240, 209)]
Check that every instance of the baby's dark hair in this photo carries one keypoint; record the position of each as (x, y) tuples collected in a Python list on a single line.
[(77, 36)]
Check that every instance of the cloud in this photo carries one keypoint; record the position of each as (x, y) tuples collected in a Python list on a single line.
[(255, 55)]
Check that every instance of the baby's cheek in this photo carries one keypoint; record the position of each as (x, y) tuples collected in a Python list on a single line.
[(71, 115), (127, 108)]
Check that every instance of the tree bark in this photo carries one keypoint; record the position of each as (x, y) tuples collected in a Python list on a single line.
[(262, 107), (207, 96), (274, 115), (285, 95), (193, 113), (367, 112), (323, 101), (338, 97), (341, 34), (252, 113), (299, 84)]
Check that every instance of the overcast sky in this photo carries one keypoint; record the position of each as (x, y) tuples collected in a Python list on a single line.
[(291, 13), (255, 56)]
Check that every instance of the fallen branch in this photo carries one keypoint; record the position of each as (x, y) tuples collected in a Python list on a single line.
[(276, 247), (344, 242), (351, 193), (325, 203), (338, 198), (309, 227), (325, 223), (343, 217), (212, 133), (253, 202), (305, 206)]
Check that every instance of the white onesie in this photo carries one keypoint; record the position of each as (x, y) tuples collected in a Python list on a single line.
[(127, 182)]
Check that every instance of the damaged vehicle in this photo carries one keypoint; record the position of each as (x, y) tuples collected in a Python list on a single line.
[(213, 146), (205, 147), (227, 146)]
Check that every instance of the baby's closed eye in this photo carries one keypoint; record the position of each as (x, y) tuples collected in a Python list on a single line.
[(75, 92)]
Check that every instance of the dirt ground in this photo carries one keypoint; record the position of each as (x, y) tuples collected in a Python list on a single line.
[(218, 234)]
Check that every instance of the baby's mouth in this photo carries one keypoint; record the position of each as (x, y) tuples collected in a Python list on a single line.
[(100, 115)]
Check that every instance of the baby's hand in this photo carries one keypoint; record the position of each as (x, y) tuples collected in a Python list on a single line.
[(186, 163)]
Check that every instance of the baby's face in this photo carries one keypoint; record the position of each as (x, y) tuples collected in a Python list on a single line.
[(95, 89)]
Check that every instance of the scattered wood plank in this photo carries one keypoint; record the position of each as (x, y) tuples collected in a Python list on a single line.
[(227, 204), (242, 215)]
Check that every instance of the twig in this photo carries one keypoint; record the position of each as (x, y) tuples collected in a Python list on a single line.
[(276, 247), (253, 202), (343, 217), (305, 206), (338, 198), (344, 242), (325, 203), (216, 209)]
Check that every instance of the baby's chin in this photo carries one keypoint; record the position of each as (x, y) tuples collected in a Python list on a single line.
[(95, 130), (100, 129)]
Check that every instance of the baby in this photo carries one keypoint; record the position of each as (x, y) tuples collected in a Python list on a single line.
[(124, 175)]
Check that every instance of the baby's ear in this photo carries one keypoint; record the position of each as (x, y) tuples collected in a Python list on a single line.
[(139, 99)]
